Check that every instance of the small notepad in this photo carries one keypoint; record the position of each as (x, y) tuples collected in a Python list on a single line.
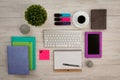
[(68, 60), (17, 57), (44, 55)]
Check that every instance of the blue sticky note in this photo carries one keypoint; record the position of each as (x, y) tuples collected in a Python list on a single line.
[(27, 39), (17, 57)]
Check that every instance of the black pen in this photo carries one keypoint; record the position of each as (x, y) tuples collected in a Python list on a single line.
[(66, 64)]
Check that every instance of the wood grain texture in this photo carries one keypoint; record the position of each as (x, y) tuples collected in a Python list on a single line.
[(106, 68)]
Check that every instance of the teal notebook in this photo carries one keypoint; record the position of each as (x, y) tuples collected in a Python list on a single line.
[(27, 39), (30, 51)]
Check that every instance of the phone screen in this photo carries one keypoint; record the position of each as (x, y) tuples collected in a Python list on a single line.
[(93, 43)]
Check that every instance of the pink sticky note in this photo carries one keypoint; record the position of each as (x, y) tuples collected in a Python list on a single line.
[(44, 55)]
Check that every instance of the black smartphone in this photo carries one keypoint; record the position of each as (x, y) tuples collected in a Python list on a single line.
[(93, 44)]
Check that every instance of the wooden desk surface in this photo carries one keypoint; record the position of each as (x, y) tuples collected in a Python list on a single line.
[(106, 68)]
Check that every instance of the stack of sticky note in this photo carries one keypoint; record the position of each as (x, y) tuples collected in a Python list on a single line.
[(22, 49)]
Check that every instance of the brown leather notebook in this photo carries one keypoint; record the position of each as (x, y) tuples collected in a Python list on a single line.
[(98, 18)]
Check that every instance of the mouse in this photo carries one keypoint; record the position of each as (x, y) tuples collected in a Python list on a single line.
[(89, 63), (24, 29)]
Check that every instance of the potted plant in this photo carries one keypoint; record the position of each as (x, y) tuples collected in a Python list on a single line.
[(36, 15)]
